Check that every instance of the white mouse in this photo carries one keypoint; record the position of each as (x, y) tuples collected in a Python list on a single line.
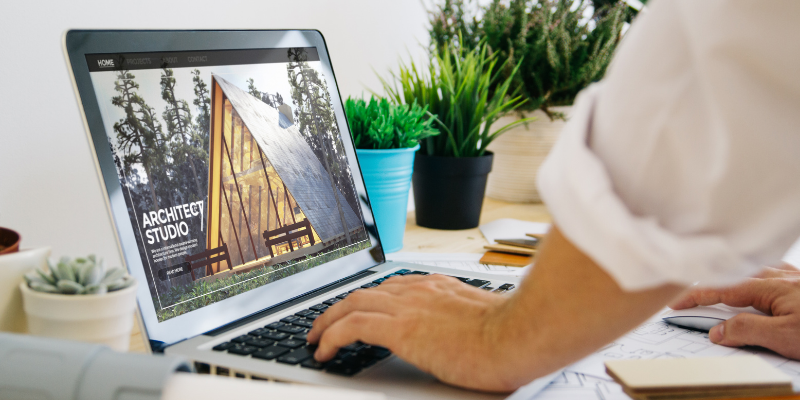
[(703, 318)]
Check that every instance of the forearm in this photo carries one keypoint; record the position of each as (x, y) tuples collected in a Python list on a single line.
[(566, 308)]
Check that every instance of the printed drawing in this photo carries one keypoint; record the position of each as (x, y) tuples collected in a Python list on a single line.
[(657, 339)]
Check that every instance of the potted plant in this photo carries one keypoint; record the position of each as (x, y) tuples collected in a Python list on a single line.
[(386, 137), (560, 51), (450, 169), (80, 300)]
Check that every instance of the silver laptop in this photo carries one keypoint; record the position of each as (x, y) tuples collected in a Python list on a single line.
[(238, 201)]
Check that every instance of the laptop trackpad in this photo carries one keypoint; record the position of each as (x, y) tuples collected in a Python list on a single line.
[(396, 375)]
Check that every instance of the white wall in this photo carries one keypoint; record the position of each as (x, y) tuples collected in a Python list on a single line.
[(49, 190)]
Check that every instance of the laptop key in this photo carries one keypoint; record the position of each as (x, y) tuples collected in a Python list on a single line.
[(242, 350), (507, 286), (275, 325), (242, 339), (402, 271), (313, 316), (478, 283), (301, 336), (319, 307), (223, 346), (271, 352), (304, 313), (291, 329), (304, 323), (296, 356), (313, 364), (369, 285), (342, 296), (378, 352), (272, 335), (332, 301), (343, 367), (291, 343), (258, 332), (354, 347), (487, 288), (378, 281), (289, 319), (259, 342)]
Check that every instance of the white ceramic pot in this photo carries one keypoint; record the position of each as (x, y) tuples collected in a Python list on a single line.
[(13, 267), (105, 318), (519, 152)]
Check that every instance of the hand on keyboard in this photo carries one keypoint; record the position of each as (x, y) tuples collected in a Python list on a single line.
[(435, 322)]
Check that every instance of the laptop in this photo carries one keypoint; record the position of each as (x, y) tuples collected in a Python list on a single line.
[(238, 201)]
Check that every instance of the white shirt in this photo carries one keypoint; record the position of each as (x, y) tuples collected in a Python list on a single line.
[(683, 163)]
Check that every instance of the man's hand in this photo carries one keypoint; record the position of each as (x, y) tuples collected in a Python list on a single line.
[(775, 292), (436, 322), (565, 308)]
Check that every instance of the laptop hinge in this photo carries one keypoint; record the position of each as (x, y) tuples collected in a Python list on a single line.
[(286, 304)]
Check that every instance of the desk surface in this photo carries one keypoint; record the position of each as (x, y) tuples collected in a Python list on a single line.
[(419, 239)]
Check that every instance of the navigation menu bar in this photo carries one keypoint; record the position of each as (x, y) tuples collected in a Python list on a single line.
[(188, 59)]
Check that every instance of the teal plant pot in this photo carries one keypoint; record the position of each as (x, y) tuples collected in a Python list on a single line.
[(387, 174)]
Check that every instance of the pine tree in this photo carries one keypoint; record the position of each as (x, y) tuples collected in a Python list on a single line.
[(138, 144), (203, 103), (272, 100), (160, 150), (317, 122), (251, 88), (179, 124)]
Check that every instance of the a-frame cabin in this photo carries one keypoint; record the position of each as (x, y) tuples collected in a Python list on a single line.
[(269, 197)]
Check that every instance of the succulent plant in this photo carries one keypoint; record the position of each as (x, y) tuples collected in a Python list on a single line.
[(78, 276)]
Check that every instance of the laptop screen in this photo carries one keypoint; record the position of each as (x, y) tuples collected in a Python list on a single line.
[(233, 168)]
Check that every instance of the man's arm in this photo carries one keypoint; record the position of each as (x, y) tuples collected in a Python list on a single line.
[(565, 308)]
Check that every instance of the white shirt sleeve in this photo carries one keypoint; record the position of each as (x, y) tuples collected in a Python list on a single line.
[(683, 164)]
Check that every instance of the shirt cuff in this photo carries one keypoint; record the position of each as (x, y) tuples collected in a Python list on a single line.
[(634, 249)]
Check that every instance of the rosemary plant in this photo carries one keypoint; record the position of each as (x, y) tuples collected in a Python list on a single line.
[(559, 49)]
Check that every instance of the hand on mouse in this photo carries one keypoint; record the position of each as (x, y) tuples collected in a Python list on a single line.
[(775, 292)]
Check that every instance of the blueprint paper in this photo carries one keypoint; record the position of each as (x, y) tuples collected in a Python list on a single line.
[(657, 339), (587, 379), (509, 228), (533, 389), (576, 386)]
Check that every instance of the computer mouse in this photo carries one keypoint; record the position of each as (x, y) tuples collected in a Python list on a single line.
[(703, 318)]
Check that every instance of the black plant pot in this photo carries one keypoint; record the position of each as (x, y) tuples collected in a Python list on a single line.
[(448, 191)]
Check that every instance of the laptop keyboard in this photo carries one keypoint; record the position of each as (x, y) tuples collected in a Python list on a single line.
[(284, 341)]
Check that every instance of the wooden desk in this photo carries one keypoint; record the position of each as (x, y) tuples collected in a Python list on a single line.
[(419, 239)]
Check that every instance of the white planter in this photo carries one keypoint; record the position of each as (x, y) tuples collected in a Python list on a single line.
[(518, 154), (13, 267), (105, 319)]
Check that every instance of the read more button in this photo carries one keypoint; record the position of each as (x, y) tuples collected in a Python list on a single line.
[(174, 271)]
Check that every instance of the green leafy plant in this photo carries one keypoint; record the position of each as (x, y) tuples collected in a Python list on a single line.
[(380, 124), (78, 276), (558, 49), (457, 88)]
